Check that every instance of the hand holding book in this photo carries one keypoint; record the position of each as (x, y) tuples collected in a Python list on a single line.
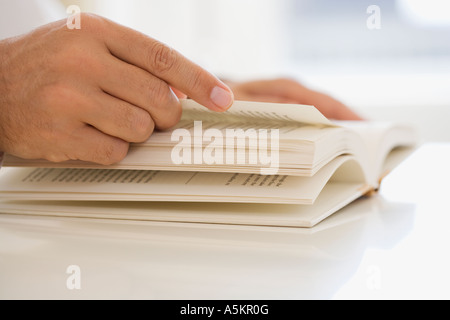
[(87, 93), (290, 91), (323, 166)]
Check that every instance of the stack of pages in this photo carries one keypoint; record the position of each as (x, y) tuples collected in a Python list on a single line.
[(256, 164)]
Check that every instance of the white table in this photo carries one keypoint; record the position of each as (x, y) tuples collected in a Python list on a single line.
[(393, 245)]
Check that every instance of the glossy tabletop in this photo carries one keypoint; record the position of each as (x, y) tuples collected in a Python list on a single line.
[(394, 245)]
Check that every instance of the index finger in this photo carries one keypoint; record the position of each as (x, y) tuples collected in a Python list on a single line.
[(168, 65)]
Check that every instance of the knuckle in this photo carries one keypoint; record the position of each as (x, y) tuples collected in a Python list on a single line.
[(91, 21), (162, 57), (163, 106), (112, 152), (126, 117), (136, 121), (171, 116), (175, 116), (143, 126)]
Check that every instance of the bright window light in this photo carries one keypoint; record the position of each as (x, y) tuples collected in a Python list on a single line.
[(430, 12)]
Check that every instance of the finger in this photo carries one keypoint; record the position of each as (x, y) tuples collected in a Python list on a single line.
[(168, 65), (179, 94), (140, 88), (331, 107), (117, 118), (89, 144), (294, 91)]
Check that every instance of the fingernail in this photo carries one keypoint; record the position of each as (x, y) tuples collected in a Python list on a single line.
[(222, 98)]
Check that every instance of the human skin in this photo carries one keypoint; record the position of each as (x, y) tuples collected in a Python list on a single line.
[(285, 90), (86, 94)]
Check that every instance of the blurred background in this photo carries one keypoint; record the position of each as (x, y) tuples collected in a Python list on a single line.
[(388, 59)]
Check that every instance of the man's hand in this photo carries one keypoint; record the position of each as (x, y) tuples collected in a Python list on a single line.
[(86, 94), (290, 91)]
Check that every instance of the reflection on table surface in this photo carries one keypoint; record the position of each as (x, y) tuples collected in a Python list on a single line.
[(392, 245)]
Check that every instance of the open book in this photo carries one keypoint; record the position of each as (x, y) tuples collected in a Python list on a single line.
[(266, 164)]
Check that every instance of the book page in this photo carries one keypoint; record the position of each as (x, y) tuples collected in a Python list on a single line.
[(135, 185), (380, 139), (258, 110), (291, 135), (334, 196), (268, 148), (250, 137)]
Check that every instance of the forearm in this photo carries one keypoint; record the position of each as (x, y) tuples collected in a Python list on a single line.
[(3, 89)]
